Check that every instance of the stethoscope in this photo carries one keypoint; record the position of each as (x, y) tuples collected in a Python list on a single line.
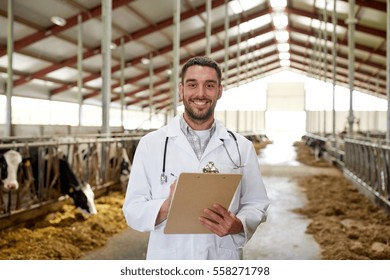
[(163, 176)]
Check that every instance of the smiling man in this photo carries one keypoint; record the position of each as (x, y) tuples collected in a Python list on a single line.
[(200, 89), (189, 143)]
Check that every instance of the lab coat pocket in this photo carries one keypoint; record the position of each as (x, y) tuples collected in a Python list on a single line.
[(162, 254)]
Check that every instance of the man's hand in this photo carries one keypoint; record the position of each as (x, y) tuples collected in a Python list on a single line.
[(163, 213), (221, 221)]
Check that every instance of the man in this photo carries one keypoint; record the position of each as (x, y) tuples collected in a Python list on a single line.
[(188, 144)]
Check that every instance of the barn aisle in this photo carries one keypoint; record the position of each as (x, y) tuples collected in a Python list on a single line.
[(282, 237)]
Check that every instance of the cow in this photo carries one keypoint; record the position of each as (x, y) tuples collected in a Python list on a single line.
[(89, 159), (58, 175), (317, 146), (119, 164), (9, 164), (80, 192), (125, 167), (259, 141), (20, 182)]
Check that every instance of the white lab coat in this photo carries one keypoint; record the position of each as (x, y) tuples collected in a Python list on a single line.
[(145, 194)]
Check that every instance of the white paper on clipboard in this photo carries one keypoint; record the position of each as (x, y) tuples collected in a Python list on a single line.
[(194, 192)]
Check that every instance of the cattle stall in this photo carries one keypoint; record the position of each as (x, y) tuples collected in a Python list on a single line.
[(101, 162), (363, 160), (368, 164)]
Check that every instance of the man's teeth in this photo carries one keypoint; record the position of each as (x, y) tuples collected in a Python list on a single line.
[(200, 102)]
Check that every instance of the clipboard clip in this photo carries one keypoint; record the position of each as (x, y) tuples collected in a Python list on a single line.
[(210, 168)]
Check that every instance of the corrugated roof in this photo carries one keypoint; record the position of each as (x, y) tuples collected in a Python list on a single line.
[(45, 55)]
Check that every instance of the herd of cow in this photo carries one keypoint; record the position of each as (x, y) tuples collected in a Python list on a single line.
[(47, 173)]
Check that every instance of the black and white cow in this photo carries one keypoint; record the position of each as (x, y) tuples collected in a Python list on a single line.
[(12, 165), (119, 164), (81, 193), (63, 178), (317, 146), (9, 164)]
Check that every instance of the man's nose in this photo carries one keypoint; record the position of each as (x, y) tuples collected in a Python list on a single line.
[(202, 91)]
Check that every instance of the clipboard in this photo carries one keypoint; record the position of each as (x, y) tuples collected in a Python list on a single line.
[(195, 192)]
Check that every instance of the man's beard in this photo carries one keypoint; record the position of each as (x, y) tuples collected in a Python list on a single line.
[(199, 116)]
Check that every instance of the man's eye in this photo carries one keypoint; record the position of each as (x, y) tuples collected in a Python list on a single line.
[(210, 86), (191, 85)]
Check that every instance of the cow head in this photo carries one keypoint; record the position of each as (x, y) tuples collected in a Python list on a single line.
[(83, 198), (9, 163)]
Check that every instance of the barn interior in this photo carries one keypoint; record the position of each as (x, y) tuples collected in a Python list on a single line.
[(107, 71)]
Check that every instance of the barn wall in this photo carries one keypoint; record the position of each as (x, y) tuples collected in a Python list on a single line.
[(364, 121), (26, 130), (3, 129), (242, 121), (286, 97)]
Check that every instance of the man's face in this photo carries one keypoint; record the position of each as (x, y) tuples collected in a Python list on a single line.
[(200, 92)]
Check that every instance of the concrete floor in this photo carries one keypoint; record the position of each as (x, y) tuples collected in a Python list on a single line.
[(282, 237)]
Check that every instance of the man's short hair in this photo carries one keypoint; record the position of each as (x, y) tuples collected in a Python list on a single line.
[(202, 61)]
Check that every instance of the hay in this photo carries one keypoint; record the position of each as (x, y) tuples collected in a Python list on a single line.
[(66, 234), (305, 156), (345, 223)]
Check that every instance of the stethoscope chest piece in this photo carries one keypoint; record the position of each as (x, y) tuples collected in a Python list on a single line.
[(163, 178)]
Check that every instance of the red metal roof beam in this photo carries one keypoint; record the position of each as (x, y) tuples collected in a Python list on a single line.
[(55, 29)]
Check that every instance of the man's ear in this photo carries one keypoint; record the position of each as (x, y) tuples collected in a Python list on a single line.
[(220, 91), (181, 93)]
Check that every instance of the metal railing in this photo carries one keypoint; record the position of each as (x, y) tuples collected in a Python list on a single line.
[(334, 147), (370, 163), (80, 152), (365, 160), (34, 199)]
